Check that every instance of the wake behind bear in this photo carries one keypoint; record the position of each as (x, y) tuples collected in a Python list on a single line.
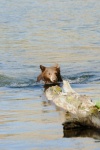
[(50, 75)]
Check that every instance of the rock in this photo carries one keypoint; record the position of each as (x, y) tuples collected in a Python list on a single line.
[(80, 109)]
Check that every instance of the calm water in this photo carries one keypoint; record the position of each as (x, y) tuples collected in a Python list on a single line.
[(34, 32)]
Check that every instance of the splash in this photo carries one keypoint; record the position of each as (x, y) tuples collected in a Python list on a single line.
[(6, 81), (83, 78)]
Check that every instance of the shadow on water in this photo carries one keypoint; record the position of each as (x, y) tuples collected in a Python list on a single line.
[(46, 86), (82, 132)]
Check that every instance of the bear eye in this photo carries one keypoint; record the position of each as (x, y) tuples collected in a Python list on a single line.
[(49, 73)]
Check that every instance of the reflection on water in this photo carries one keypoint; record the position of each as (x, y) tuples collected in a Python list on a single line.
[(45, 32), (82, 133)]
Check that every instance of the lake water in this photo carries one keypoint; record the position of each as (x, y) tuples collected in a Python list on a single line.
[(34, 32)]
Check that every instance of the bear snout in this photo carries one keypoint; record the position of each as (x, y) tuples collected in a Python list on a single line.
[(53, 79)]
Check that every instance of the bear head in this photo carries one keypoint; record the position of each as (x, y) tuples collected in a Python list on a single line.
[(50, 74)]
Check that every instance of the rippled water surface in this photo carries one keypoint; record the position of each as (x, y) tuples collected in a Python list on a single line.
[(34, 32)]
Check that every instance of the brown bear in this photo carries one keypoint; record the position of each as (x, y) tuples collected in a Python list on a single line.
[(50, 74)]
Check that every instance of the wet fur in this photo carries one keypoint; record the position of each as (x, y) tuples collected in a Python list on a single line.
[(50, 74)]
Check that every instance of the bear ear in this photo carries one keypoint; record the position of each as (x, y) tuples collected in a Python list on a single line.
[(42, 68), (57, 66)]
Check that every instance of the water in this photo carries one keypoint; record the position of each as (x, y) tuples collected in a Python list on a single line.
[(46, 32)]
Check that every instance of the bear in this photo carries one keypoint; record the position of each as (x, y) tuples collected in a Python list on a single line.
[(50, 75)]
